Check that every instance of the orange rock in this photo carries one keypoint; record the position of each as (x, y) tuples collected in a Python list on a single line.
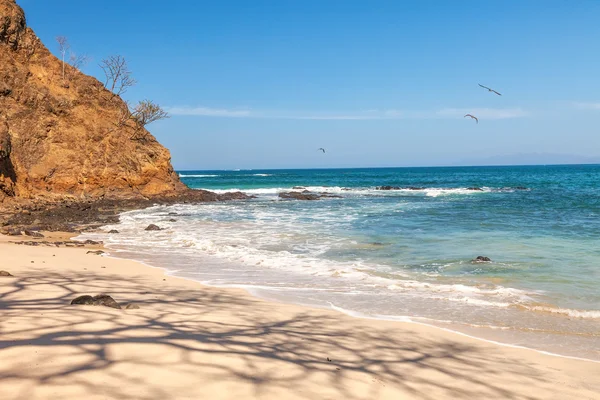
[(65, 136)]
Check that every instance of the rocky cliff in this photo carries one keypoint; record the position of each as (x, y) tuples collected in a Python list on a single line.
[(61, 138)]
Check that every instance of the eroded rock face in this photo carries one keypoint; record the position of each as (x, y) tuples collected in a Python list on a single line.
[(12, 24), (60, 138)]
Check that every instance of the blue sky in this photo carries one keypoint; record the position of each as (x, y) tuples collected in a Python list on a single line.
[(264, 84)]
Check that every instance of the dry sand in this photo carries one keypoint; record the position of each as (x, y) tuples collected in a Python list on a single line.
[(189, 341)]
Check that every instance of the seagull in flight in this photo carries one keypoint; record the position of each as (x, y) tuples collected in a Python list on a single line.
[(489, 90), (472, 116), (321, 149)]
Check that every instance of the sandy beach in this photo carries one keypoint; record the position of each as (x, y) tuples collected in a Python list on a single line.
[(190, 341)]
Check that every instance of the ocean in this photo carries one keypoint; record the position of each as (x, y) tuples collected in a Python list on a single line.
[(400, 254)]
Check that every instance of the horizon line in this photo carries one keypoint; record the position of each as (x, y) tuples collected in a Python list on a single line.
[(391, 167)]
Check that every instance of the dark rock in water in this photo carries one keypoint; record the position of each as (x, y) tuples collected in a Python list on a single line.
[(235, 196), (478, 189), (520, 188), (387, 187), (299, 196), (132, 306), (482, 259), (5, 273), (93, 242), (172, 220), (97, 252), (298, 187), (415, 188), (99, 300), (152, 227), (113, 231), (33, 233)]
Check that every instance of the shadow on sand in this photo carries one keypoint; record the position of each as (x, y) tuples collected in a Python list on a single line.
[(213, 338)]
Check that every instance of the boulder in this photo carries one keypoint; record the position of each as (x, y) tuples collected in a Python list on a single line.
[(132, 306), (97, 252), (113, 231), (99, 300), (481, 259), (152, 227), (5, 273), (33, 233), (299, 196)]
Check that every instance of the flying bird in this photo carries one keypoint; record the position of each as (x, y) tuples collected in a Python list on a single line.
[(472, 116), (489, 90), (321, 149)]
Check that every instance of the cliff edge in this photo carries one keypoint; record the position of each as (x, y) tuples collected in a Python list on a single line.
[(61, 138)]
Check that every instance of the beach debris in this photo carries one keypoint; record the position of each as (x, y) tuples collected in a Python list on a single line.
[(489, 90), (482, 259), (132, 306), (99, 300), (152, 227), (97, 252), (5, 273), (113, 231), (472, 116)]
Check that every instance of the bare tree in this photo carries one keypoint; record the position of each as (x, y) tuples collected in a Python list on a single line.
[(78, 61), (144, 113), (63, 46), (118, 76)]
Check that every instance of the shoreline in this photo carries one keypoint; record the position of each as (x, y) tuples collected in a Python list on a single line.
[(352, 314), (376, 358)]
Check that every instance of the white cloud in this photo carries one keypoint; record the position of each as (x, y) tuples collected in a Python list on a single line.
[(209, 112), (485, 113), (588, 106)]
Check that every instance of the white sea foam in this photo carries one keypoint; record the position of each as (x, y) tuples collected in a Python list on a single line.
[(584, 314), (307, 252), (262, 174), (357, 191)]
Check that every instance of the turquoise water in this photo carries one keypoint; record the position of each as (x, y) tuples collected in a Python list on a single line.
[(403, 253)]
